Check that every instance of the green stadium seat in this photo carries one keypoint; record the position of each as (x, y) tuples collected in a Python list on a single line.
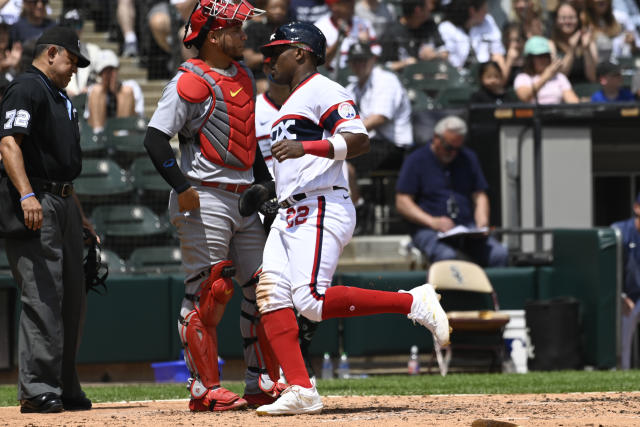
[(155, 259), (120, 125), (79, 102), (126, 147), (123, 227), (102, 177), (454, 97), (91, 144), (585, 90), (430, 75), (152, 190), (116, 264)]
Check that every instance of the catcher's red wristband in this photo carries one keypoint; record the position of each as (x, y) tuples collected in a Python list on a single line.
[(318, 148)]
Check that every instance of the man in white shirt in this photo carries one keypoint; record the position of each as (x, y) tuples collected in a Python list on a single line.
[(386, 114), (471, 35)]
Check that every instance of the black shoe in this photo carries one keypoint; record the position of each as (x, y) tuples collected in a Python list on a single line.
[(81, 403), (44, 403)]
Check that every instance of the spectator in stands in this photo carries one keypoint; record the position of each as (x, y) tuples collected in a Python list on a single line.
[(258, 33), (86, 76), (414, 37), (630, 231), (513, 40), (33, 21), (109, 97), (10, 54), (159, 18), (386, 113), (491, 89), (542, 82), (614, 32), (342, 29), (528, 15), (576, 46), (380, 13), (307, 10), (441, 185), (610, 79), (126, 12), (471, 35), (10, 11)]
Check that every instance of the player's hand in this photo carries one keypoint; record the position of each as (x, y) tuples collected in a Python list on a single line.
[(287, 149), (188, 200), (443, 223), (32, 213), (627, 306)]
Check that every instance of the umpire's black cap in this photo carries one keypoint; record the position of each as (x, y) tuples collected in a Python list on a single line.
[(66, 38)]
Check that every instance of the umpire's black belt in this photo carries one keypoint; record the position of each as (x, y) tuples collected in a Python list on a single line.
[(287, 203), (62, 189)]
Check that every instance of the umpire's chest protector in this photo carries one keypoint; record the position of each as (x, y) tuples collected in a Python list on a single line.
[(227, 136)]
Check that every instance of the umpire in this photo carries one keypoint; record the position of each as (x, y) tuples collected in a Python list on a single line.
[(40, 147)]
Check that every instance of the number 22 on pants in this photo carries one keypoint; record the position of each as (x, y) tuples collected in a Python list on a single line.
[(297, 217)]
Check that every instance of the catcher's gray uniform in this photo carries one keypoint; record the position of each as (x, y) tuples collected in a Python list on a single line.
[(215, 232)]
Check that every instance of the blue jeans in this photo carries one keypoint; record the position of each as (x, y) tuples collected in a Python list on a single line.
[(485, 252)]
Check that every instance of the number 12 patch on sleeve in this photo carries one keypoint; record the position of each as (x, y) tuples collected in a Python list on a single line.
[(19, 118)]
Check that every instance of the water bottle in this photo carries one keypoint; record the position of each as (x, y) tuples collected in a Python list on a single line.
[(413, 364), (343, 367), (327, 367)]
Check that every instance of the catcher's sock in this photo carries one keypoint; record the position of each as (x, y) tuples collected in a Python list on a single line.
[(346, 301), (281, 329)]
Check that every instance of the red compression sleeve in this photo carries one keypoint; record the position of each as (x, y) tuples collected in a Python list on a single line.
[(318, 148), (345, 301)]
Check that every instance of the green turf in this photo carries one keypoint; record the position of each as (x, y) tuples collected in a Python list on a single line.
[(535, 382)]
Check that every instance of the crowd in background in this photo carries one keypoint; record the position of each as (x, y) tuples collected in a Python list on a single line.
[(534, 52)]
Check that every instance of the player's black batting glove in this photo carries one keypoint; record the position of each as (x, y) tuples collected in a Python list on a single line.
[(255, 196)]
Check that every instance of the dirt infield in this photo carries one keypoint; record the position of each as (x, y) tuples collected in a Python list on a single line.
[(576, 409)]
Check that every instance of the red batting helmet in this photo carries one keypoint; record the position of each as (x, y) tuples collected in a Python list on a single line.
[(209, 15)]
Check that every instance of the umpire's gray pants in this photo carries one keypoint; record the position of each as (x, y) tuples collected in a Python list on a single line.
[(49, 274)]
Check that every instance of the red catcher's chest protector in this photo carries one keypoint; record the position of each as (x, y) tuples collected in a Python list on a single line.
[(227, 136)]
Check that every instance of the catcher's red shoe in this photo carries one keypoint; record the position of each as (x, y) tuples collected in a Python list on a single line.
[(258, 399), (219, 399)]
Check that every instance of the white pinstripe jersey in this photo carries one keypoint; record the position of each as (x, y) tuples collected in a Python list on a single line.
[(316, 109)]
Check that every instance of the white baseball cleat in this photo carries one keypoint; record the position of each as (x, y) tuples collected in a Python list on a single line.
[(427, 311), (293, 401)]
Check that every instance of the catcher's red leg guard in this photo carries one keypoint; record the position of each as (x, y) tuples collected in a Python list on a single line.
[(199, 338)]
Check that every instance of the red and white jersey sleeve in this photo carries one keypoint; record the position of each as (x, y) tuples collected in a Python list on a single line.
[(317, 109), (266, 113)]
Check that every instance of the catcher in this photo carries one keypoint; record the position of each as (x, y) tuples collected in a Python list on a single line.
[(210, 104)]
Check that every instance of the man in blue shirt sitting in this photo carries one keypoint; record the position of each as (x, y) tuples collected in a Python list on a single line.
[(609, 76), (630, 231), (440, 186)]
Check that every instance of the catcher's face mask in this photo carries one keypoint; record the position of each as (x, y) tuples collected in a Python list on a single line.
[(211, 15)]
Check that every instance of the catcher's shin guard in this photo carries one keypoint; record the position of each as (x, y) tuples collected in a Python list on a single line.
[(198, 328), (257, 352), (201, 353)]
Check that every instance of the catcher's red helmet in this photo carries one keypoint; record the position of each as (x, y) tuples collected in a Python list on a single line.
[(211, 15)]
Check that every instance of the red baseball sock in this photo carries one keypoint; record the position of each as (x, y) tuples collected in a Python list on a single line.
[(281, 329), (346, 301)]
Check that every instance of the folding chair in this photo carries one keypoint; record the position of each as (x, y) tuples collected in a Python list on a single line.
[(471, 305)]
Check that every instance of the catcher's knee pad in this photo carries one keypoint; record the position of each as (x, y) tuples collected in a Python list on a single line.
[(215, 290), (200, 344)]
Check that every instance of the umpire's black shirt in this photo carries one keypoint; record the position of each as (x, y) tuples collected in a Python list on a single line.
[(34, 107)]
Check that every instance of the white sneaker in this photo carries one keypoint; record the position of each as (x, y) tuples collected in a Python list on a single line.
[(294, 400), (427, 311)]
